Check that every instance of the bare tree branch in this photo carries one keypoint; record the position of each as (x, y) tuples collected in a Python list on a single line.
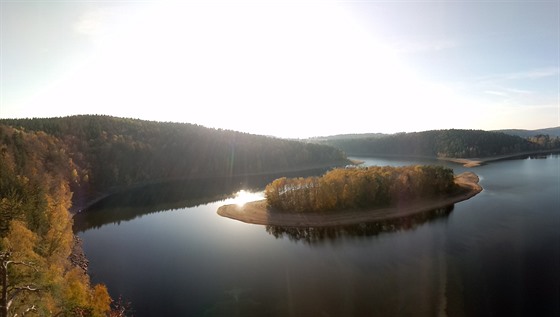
[(26, 288), (9, 292), (30, 309), (28, 264)]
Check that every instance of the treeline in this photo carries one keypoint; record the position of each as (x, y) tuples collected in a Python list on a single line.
[(359, 188), (545, 141), (36, 236), (115, 152), (551, 132), (445, 143)]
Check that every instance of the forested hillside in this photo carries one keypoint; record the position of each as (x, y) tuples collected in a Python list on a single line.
[(47, 164), (36, 237), (445, 143), (551, 132), (115, 152)]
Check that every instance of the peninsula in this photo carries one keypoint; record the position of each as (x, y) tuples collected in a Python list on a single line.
[(260, 212), (474, 162)]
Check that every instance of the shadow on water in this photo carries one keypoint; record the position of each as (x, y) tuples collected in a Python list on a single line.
[(130, 204), (322, 235)]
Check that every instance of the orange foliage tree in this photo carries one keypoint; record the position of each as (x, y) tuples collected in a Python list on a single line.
[(358, 188)]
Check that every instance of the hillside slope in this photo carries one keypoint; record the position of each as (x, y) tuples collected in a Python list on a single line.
[(36, 173), (444, 143), (552, 132), (114, 152)]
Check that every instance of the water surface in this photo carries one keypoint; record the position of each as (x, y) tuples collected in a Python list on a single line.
[(496, 254)]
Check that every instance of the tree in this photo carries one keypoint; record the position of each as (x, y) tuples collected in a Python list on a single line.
[(11, 291), (359, 188)]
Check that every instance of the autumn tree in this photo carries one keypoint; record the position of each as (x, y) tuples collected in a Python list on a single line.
[(36, 231), (359, 188)]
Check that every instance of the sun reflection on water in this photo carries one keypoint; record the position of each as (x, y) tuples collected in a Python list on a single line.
[(242, 197)]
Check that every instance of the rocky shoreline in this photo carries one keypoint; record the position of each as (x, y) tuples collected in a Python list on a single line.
[(77, 257)]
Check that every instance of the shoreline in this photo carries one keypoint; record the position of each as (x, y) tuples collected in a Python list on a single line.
[(93, 198), (474, 162), (257, 212)]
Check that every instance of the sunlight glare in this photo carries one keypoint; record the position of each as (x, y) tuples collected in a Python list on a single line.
[(298, 61), (242, 197)]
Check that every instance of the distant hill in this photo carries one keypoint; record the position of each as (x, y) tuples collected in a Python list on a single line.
[(347, 136), (443, 143), (553, 132)]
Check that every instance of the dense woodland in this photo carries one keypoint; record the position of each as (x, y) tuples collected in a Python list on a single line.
[(47, 164), (551, 132), (109, 152), (445, 143), (36, 230), (359, 188)]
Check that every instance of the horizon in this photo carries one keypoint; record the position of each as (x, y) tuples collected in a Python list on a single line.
[(286, 69), (295, 138)]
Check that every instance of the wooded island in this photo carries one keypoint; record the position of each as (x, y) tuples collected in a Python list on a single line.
[(353, 195), (359, 188)]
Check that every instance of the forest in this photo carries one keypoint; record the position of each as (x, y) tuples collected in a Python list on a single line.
[(444, 143), (47, 165), (109, 152), (359, 188), (36, 238)]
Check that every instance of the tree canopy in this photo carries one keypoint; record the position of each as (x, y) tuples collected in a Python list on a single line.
[(444, 143), (109, 152), (359, 188), (36, 230)]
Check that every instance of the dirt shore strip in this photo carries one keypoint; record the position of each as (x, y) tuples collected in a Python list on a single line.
[(257, 212)]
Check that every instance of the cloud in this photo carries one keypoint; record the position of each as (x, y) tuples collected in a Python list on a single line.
[(530, 74), (508, 92), (411, 47), (105, 20), (496, 93), (521, 88), (92, 22), (535, 74)]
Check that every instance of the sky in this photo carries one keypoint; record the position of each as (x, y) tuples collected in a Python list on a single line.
[(292, 69)]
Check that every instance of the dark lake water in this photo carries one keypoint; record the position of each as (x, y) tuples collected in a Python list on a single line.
[(498, 254)]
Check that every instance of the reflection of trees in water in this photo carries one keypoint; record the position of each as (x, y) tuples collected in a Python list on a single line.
[(133, 203), (318, 235)]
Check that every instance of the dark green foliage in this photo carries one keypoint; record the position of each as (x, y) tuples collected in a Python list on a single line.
[(32, 167), (552, 132), (443, 143), (115, 152), (359, 188)]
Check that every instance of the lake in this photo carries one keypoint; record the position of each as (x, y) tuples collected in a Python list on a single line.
[(166, 250)]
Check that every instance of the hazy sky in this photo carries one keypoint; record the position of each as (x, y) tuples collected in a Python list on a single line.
[(286, 68)]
